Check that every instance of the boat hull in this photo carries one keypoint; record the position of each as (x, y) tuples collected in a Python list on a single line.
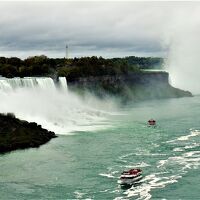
[(129, 181)]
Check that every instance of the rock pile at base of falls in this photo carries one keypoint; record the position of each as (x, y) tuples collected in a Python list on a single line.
[(19, 134)]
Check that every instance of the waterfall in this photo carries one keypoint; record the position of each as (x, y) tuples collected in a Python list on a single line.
[(7, 84), (63, 83), (51, 104)]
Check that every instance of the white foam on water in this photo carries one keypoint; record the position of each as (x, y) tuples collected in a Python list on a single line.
[(194, 145), (141, 153), (79, 195), (107, 175), (126, 155), (110, 173), (137, 165), (178, 149), (120, 198), (152, 181), (161, 163), (185, 161), (150, 154), (192, 133)]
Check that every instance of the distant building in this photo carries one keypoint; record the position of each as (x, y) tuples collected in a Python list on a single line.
[(67, 52)]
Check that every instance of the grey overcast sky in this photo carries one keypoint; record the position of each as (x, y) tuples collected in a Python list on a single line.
[(108, 29)]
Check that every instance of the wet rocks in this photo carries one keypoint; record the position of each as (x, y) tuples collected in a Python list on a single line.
[(20, 134)]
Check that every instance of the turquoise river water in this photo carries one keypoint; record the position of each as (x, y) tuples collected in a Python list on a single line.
[(87, 165)]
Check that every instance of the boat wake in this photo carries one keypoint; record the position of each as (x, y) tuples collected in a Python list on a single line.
[(171, 169), (193, 133), (164, 171)]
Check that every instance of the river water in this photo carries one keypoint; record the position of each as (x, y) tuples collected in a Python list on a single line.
[(87, 164)]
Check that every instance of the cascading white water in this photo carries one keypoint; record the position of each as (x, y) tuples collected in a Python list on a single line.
[(63, 83), (50, 104), (7, 84), (31, 82)]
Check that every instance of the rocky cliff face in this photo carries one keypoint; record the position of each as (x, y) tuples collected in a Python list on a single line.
[(132, 86), (145, 78)]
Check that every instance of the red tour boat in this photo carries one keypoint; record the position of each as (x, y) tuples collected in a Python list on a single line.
[(152, 122), (130, 176)]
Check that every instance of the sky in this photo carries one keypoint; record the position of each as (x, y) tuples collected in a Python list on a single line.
[(108, 29)]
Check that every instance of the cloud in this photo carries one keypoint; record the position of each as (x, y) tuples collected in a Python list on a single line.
[(89, 28)]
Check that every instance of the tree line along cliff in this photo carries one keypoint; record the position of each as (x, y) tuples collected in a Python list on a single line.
[(74, 67)]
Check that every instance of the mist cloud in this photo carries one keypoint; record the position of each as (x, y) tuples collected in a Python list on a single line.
[(182, 38)]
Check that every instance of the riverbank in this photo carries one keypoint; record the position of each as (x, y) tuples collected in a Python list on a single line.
[(19, 134)]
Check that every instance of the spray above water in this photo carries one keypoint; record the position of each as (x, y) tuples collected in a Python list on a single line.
[(182, 38), (50, 104)]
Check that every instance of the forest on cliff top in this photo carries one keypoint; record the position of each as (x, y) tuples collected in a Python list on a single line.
[(75, 67)]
